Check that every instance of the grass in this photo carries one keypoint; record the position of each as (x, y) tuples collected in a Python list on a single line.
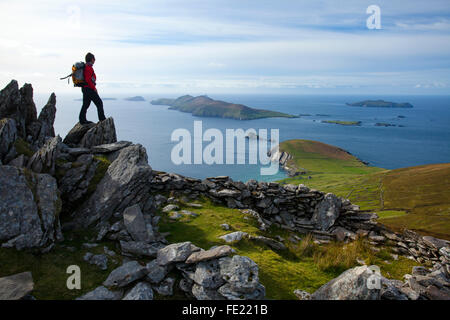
[(304, 265), (23, 147), (49, 270), (416, 198)]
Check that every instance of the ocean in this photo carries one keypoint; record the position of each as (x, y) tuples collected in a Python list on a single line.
[(423, 138)]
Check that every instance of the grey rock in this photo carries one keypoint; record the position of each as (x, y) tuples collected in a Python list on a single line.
[(100, 260), (234, 236), (165, 288), (19, 162), (102, 133), (274, 244), (435, 243), (75, 152), (44, 160), (240, 272), (156, 273), (177, 252), (302, 295), (42, 129), (16, 287), (170, 207), (111, 147), (201, 293), (140, 249), (141, 291), (126, 183), (125, 274), (29, 210), (135, 224), (228, 291), (207, 274), (77, 133), (389, 291), (188, 213), (8, 137), (350, 285), (327, 211), (228, 193), (214, 253), (18, 105), (225, 226), (102, 293)]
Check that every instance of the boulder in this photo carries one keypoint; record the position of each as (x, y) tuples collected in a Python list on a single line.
[(207, 274), (140, 249), (165, 288), (350, 285), (234, 236), (135, 224), (16, 287), (77, 133), (141, 291), (435, 243), (214, 253), (102, 293), (302, 295), (228, 291), (44, 160), (176, 252), (125, 274), (75, 182), (29, 210), (100, 260), (126, 183), (102, 133), (156, 273), (241, 273), (327, 211), (273, 244), (8, 137)]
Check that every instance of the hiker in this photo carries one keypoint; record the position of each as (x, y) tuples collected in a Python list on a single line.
[(90, 92)]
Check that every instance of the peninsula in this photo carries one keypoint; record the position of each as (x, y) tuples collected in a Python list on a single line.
[(203, 106), (379, 104)]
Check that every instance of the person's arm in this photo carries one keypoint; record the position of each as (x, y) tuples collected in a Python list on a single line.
[(88, 78)]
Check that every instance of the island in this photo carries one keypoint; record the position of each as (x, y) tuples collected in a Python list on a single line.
[(137, 98), (343, 123), (204, 106), (384, 124), (379, 104)]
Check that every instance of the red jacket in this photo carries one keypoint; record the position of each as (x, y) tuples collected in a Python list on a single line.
[(89, 76)]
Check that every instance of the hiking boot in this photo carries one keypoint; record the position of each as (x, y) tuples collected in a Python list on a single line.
[(85, 122)]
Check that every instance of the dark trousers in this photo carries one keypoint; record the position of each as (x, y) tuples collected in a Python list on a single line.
[(88, 96)]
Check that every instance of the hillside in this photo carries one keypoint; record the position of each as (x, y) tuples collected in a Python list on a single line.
[(416, 198), (203, 106)]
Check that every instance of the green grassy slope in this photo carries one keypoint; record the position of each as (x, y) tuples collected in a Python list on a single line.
[(416, 198)]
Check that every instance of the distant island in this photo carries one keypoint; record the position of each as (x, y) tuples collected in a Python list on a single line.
[(137, 98), (383, 124), (343, 123), (204, 106), (379, 104)]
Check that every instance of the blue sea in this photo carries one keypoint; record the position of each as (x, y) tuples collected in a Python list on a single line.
[(424, 137)]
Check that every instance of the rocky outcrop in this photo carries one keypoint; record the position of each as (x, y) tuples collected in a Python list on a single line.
[(44, 160), (16, 287), (77, 133), (126, 183), (42, 129), (29, 210), (8, 137), (327, 212), (350, 285), (103, 133)]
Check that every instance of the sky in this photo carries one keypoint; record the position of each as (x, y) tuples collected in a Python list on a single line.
[(207, 46)]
